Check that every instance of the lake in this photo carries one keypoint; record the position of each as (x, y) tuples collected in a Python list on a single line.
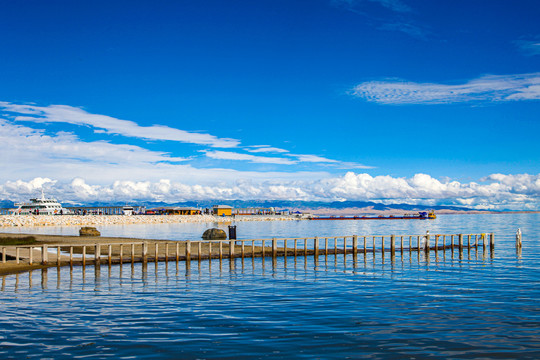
[(481, 306)]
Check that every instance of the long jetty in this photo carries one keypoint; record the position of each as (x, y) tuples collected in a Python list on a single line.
[(144, 251)]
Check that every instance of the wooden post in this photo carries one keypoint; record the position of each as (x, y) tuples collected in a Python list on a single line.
[(263, 249), (355, 245), (316, 247), (382, 246), (220, 250), (156, 252), (345, 246), (199, 250), (210, 250), (410, 245), (326, 246), (469, 241), (166, 252), (374, 246), (253, 248), (188, 251), (177, 251), (305, 247), (444, 244), (44, 254), (483, 236), (84, 255), (97, 254), (295, 246), (491, 241), (365, 248), (393, 245), (58, 255), (452, 243), (31, 255), (242, 250), (145, 251), (4, 255), (285, 248), (418, 243), (231, 249), (110, 254), (132, 253), (460, 243), (402, 246), (121, 254), (274, 247), (436, 243), (17, 253), (427, 243)]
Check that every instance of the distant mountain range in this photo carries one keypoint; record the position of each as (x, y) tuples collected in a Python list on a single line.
[(278, 204)]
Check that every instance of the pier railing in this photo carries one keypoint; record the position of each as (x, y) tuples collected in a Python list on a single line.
[(143, 251)]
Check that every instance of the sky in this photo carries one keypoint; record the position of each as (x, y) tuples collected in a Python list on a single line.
[(420, 102)]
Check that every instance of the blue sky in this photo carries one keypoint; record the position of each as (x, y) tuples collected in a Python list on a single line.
[(385, 100)]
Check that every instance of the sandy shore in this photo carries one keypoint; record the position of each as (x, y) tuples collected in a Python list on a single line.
[(62, 241), (98, 220)]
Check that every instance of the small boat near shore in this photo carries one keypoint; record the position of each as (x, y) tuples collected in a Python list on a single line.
[(421, 215)]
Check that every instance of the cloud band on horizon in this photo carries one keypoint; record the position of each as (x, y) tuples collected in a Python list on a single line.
[(496, 191)]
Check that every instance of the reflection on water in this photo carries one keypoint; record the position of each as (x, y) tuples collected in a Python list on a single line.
[(416, 306)]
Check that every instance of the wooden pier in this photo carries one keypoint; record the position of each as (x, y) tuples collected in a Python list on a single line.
[(144, 251)]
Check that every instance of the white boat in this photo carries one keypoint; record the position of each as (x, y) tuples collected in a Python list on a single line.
[(41, 206)]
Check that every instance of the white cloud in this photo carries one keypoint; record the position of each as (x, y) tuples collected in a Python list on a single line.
[(27, 144), (229, 155), (111, 125), (529, 47), (63, 156), (24, 145), (496, 191), (298, 158), (493, 88), (329, 162), (394, 5), (314, 158), (265, 149)]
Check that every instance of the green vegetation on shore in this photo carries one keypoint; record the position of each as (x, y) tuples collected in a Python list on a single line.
[(13, 240)]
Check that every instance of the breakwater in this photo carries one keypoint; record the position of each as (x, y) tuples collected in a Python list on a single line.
[(97, 220)]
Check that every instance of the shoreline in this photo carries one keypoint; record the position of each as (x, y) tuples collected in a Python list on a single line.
[(10, 221)]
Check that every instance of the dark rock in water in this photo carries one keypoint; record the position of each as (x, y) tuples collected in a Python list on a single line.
[(89, 231), (214, 234)]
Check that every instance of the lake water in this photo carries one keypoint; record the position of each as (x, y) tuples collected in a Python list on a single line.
[(481, 306)]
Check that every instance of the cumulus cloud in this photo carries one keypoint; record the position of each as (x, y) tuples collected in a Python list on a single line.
[(496, 191), (492, 88), (111, 125)]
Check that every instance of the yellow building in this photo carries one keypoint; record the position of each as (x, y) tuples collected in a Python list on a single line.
[(222, 210)]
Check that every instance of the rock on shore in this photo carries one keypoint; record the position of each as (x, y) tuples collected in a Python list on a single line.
[(99, 220)]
